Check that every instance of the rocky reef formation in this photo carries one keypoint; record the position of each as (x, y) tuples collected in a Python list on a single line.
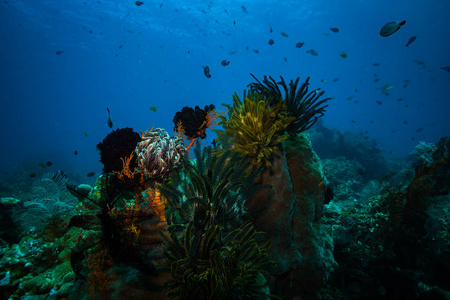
[(290, 214)]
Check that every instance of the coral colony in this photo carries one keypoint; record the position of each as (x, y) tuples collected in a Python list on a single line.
[(241, 220)]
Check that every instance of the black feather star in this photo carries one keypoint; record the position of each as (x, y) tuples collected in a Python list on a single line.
[(306, 107)]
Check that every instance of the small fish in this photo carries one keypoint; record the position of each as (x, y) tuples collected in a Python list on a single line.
[(399, 99), (446, 69), (256, 51), (376, 80), (139, 3), (379, 102), (299, 45), (271, 42), (391, 27), (234, 22), (86, 134), (385, 89), (350, 97), (49, 164), (32, 175), (109, 121), (90, 174), (323, 81), (336, 79), (356, 90), (343, 55), (411, 39), (405, 122), (285, 59), (376, 64), (59, 52), (312, 52), (42, 165), (353, 121), (225, 62), (153, 109), (334, 29), (271, 30), (285, 34), (75, 152), (419, 129), (206, 71), (244, 9)]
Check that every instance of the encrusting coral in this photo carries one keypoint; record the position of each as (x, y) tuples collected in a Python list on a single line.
[(253, 128)]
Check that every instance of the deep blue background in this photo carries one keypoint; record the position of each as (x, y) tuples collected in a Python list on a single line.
[(128, 58)]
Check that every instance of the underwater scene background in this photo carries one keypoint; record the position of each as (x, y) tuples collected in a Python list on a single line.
[(151, 149)]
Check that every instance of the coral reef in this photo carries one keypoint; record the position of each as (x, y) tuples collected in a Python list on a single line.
[(304, 107), (116, 145), (331, 143), (254, 129), (345, 176), (398, 245), (158, 153)]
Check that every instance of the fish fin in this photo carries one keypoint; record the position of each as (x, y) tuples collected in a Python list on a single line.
[(402, 23)]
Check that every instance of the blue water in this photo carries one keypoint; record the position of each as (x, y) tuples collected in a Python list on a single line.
[(128, 58)]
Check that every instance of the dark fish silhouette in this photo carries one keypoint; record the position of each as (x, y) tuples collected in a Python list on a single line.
[(225, 62), (299, 45), (256, 51), (391, 27), (446, 69), (42, 165), (206, 71), (411, 39), (90, 174), (32, 175), (271, 30), (76, 152), (153, 108), (312, 52), (139, 3), (49, 164), (334, 29), (59, 52), (285, 34), (109, 121), (244, 9), (271, 42)]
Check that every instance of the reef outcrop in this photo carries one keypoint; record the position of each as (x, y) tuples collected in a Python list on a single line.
[(290, 214)]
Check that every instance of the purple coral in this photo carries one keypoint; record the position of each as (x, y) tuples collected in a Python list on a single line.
[(158, 153)]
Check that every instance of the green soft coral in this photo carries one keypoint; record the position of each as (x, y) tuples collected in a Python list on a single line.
[(253, 129)]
